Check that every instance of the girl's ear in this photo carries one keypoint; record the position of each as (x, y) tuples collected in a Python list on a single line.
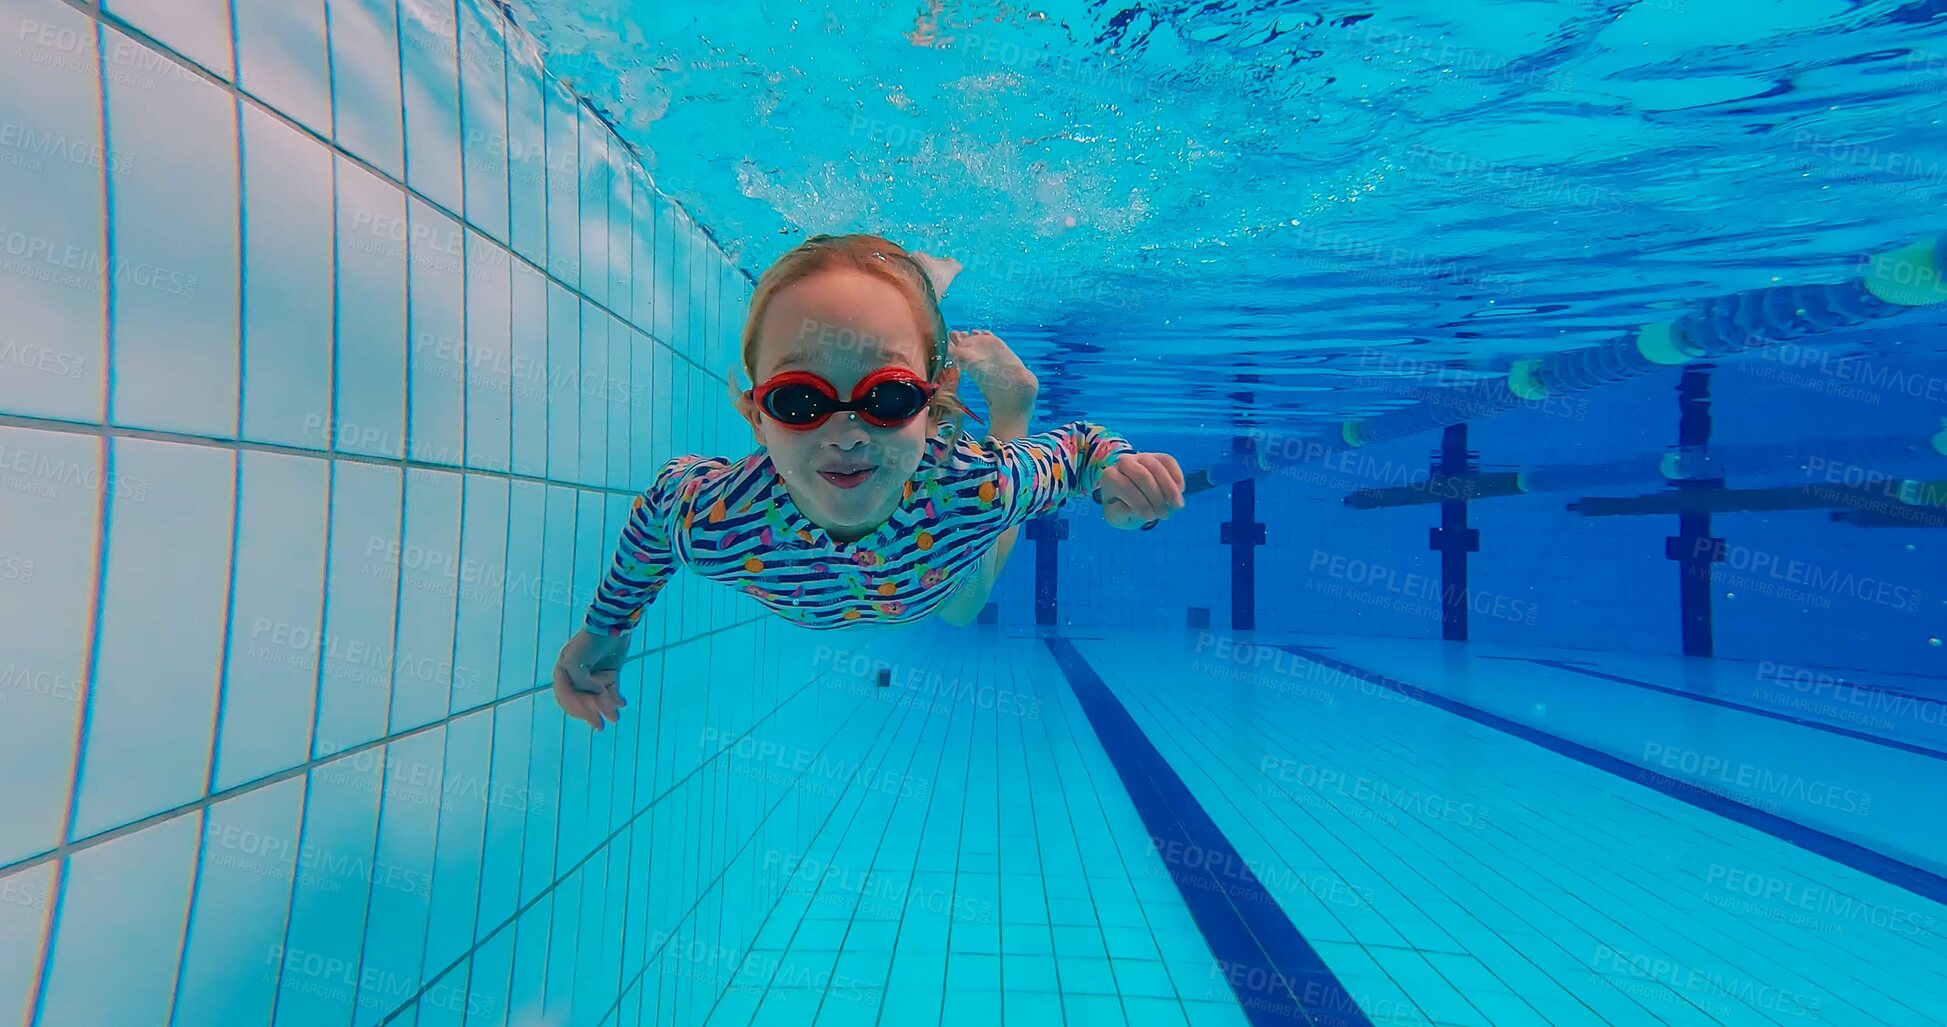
[(746, 408), (940, 271), (938, 414), (949, 383)]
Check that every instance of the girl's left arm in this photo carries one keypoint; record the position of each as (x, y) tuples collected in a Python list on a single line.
[(1037, 474), (964, 606)]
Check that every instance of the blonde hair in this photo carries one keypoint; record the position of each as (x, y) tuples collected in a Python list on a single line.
[(872, 255)]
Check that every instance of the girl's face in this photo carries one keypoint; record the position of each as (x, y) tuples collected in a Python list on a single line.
[(846, 474)]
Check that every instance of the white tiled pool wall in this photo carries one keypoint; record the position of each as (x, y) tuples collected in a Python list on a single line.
[(334, 340)]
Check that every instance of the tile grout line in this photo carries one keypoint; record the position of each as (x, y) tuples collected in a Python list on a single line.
[(190, 67), (1243, 921), (1871, 862), (68, 849), (403, 464), (1831, 729)]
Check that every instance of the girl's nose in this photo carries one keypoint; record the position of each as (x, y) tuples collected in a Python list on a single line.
[(846, 431)]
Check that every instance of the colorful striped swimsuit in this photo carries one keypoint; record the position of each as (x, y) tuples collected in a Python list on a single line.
[(735, 523)]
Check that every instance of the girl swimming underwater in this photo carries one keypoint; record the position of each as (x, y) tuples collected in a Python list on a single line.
[(864, 503)]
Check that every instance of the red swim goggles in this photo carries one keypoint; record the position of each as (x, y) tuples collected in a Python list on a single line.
[(801, 401)]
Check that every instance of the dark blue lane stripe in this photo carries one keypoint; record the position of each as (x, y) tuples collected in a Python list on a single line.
[(1278, 978), (1859, 686), (1833, 729), (1867, 861)]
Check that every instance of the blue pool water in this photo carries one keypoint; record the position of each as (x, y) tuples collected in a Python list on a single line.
[(1555, 636)]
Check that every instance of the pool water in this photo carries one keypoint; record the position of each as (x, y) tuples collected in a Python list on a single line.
[(1553, 635)]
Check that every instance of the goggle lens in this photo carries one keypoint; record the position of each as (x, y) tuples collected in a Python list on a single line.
[(797, 404), (893, 402), (888, 403)]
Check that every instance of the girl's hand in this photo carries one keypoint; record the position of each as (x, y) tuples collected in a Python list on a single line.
[(1005, 383), (1121, 517), (1140, 487), (940, 270), (585, 677)]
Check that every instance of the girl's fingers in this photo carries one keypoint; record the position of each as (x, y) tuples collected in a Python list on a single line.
[(585, 712), (1144, 485), (1171, 477), (575, 701), (607, 703), (579, 705), (1159, 479), (591, 712), (1162, 484), (564, 684)]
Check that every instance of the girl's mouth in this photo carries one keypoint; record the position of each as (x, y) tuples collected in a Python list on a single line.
[(847, 479)]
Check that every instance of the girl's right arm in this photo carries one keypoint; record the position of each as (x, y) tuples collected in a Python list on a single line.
[(645, 557)]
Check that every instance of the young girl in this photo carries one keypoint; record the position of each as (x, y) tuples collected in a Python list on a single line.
[(864, 503)]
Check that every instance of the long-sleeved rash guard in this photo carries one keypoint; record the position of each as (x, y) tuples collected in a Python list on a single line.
[(733, 522)]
